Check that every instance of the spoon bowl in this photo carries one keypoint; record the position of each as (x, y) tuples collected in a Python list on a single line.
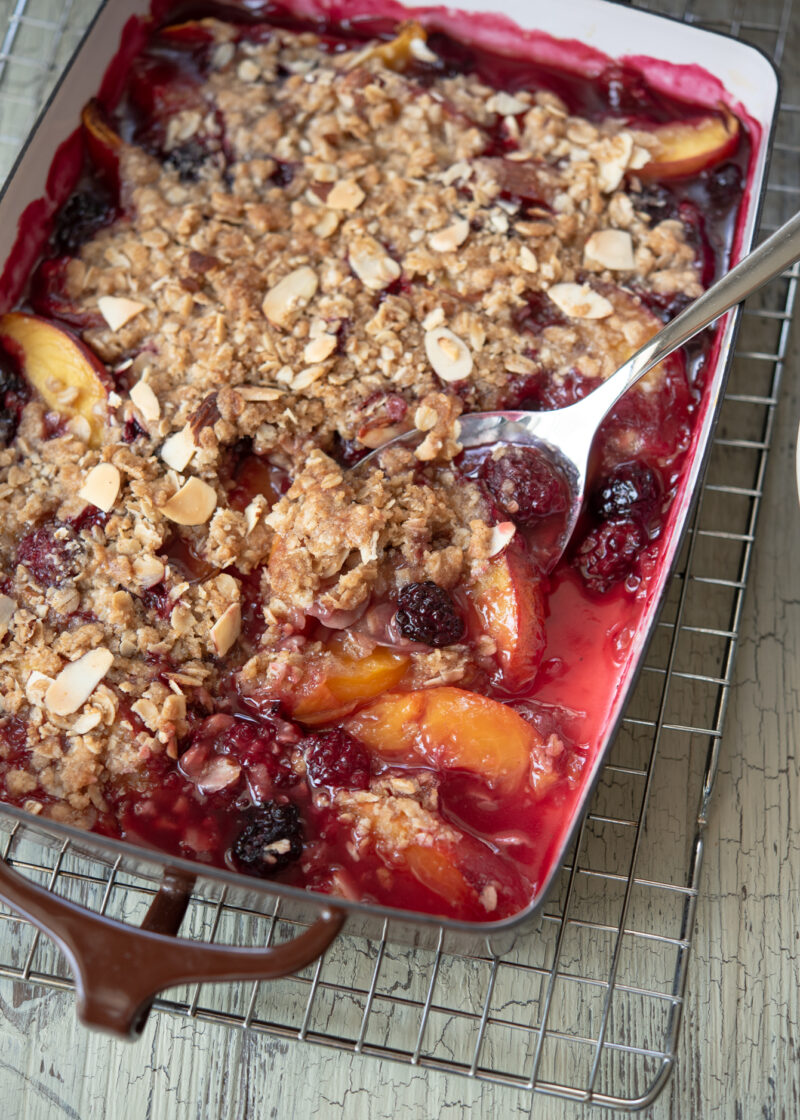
[(565, 436)]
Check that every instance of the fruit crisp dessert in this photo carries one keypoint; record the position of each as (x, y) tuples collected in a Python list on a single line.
[(221, 636)]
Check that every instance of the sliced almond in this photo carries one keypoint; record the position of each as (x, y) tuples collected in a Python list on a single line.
[(101, 486), (119, 310), (307, 377), (501, 538), (254, 511), (614, 157), (74, 685), (448, 239), (7, 608), (448, 354), (528, 260), (372, 264), (147, 712), (610, 248), (328, 224), (345, 195), (258, 393), (193, 504), (377, 437), (506, 105), (36, 686), (86, 722), (226, 630), (290, 295), (579, 301), (149, 571), (320, 348), (146, 401), (177, 451)]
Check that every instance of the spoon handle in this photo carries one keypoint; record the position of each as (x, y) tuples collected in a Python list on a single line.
[(775, 254)]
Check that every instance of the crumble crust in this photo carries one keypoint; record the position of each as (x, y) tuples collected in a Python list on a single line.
[(348, 264)]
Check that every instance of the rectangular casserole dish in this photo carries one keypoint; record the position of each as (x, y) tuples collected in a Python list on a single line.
[(750, 86)]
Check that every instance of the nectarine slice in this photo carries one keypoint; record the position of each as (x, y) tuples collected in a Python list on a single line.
[(507, 604), (69, 378), (336, 684), (687, 147), (407, 45), (449, 729)]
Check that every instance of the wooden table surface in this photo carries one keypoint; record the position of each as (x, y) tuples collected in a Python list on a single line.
[(740, 1045)]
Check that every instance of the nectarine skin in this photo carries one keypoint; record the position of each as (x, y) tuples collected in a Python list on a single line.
[(68, 377)]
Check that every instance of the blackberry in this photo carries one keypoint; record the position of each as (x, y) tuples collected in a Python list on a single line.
[(426, 613), (537, 313), (608, 553), (630, 490), (657, 202), (187, 159), (524, 484), (335, 758), (14, 394), (83, 215), (271, 840)]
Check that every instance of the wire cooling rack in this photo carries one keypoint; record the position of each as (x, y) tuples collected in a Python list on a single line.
[(588, 1005)]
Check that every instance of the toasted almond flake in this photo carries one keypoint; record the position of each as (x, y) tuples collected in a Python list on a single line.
[(285, 375), (527, 260), (79, 426), (226, 630), (254, 511), (501, 537), (448, 354), (579, 301), (247, 71), (506, 105), (75, 684), (177, 451), (119, 310), (320, 348), (447, 240), (147, 712), (101, 486), (616, 152), (345, 195), (421, 51), (289, 295), (328, 224), (433, 319), (307, 377), (377, 437), (258, 393), (7, 608), (86, 721), (372, 264), (193, 504), (36, 686), (220, 771), (611, 248), (148, 570), (146, 401)]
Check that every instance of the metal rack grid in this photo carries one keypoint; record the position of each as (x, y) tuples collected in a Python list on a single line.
[(553, 1015)]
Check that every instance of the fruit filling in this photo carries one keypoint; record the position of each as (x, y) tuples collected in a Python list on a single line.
[(224, 636)]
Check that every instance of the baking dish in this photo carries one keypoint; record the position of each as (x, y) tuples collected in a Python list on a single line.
[(747, 81)]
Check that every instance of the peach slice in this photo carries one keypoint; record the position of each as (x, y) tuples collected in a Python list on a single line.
[(69, 378), (449, 729), (436, 871), (337, 684), (104, 144), (687, 147), (507, 604)]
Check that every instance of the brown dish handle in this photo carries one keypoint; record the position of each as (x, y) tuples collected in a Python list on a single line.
[(119, 969)]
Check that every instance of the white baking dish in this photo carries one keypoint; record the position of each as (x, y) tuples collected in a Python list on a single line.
[(742, 78)]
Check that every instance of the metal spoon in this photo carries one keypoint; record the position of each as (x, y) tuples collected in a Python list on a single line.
[(565, 435)]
